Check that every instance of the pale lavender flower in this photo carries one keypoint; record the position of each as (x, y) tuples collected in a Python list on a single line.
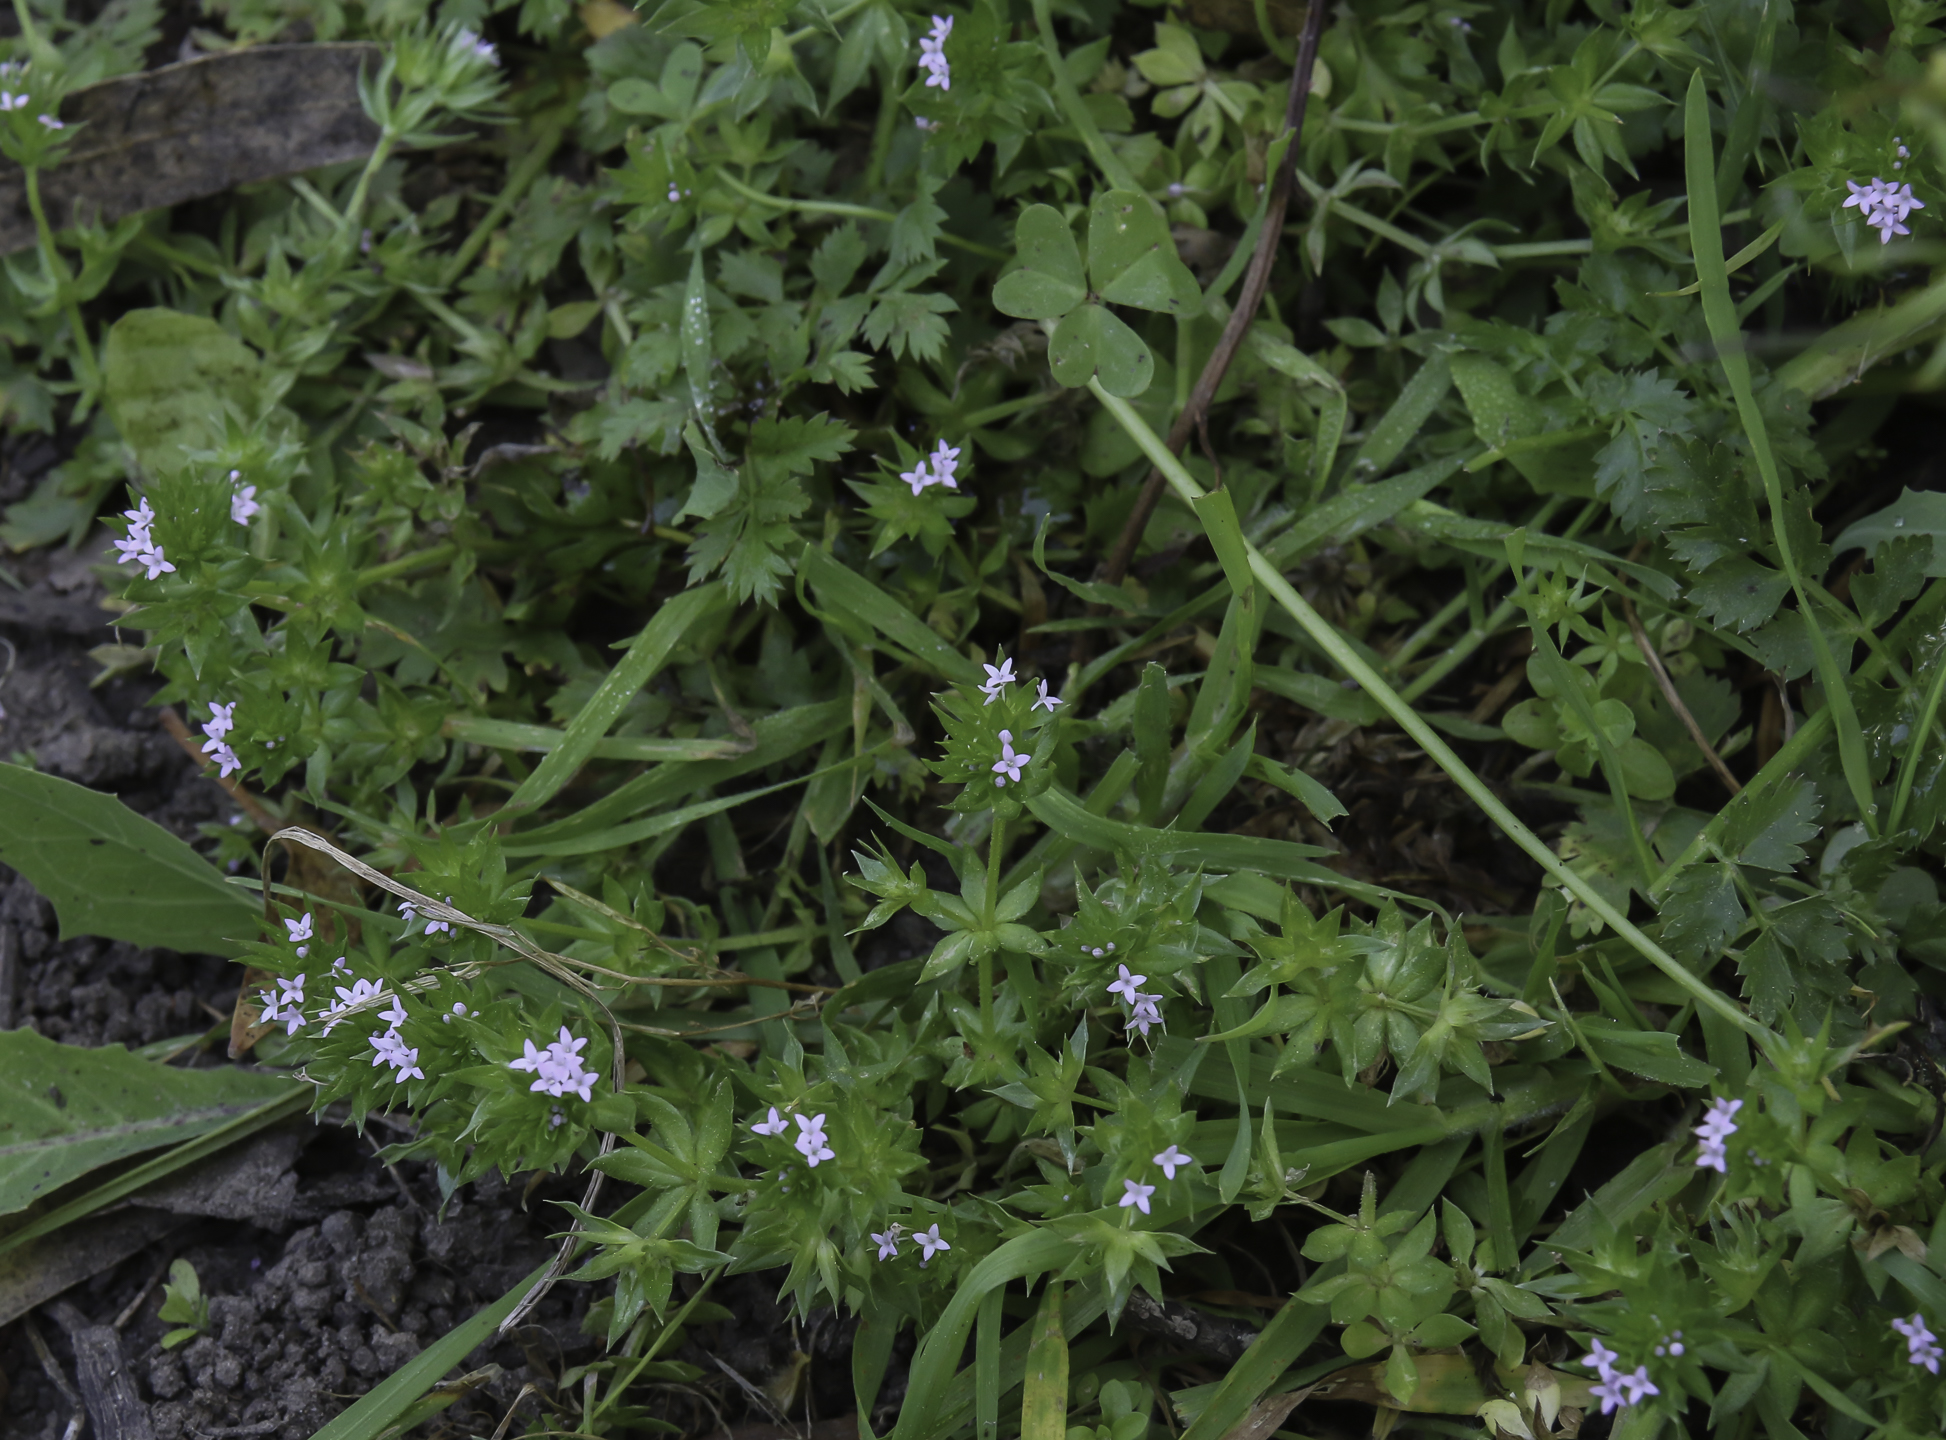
[(300, 931), (1127, 986), (812, 1143), (918, 478), (932, 53), (243, 504), (1136, 1194), (888, 1243), (1043, 698), (1638, 1385), (945, 465), (998, 678), (1171, 1159), (1007, 767), (929, 1241), (1922, 1346), (50, 122), (775, 1125)]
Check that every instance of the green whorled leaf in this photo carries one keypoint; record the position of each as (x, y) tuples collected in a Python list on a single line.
[(1050, 281), (67, 1109), (167, 378), (1090, 343), (108, 871), (1132, 259)]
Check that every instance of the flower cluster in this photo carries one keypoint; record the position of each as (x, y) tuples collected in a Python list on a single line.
[(391, 1047), (138, 547), (927, 1240), (287, 1007), (1921, 1345), (218, 726), (356, 993), (1617, 1387), (811, 1142), (1000, 676), (1144, 1010), (1884, 205), (558, 1069), (410, 912), (932, 53), (944, 463), (1718, 1126), (243, 500)]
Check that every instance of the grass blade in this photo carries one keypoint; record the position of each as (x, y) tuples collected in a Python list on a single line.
[(1347, 658), (1712, 274), (380, 1407), (1044, 1396), (645, 656), (986, 1366)]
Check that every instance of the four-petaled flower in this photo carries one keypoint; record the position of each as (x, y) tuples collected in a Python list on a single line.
[(300, 932), (1171, 1159), (775, 1125), (929, 1241), (137, 546), (1136, 1194), (945, 464), (1884, 205), (888, 1243), (811, 1142), (243, 502), (558, 1069), (1718, 1126), (1007, 767), (998, 678), (1921, 1345), (1043, 698), (917, 477), (932, 53), (1128, 986)]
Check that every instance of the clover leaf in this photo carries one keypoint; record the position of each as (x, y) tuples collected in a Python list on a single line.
[(1131, 261)]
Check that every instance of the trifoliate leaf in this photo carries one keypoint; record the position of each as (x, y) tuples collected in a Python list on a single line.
[(1091, 343), (1049, 282), (1132, 258)]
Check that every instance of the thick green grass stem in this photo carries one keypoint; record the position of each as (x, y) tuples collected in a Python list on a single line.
[(1069, 99), (1347, 658), (1712, 276)]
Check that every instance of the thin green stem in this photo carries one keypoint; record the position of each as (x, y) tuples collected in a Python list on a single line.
[(855, 212), (312, 196), (405, 565), (355, 207), (842, 13), (1347, 658), (1069, 99), (989, 918), (531, 165), (620, 1388), (90, 374), (1921, 733), (1424, 635)]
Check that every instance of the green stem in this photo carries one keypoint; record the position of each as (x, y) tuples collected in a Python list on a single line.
[(989, 917), (885, 127), (523, 176), (1922, 732), (405, 565), (842, 13), (355, 207), (1347, 658), (849, 211), (1423, 636), (1106, 160), (90, 374), (674, 1327)]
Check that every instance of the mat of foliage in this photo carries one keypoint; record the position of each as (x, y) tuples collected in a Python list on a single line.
[(1410, 903)]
